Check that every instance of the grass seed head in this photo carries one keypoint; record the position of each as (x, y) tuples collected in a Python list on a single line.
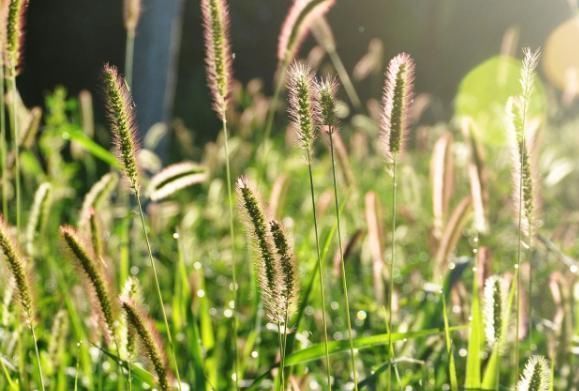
[(267, 265), (15, 29), (303, 103), (495, 310), (536, 376), (150, 343), (326, 91), (17, 266), (38, 215), (397, 97), (90, 267), (120, 109), (131, 15), (288, 268), (297, 24), (218, 58)]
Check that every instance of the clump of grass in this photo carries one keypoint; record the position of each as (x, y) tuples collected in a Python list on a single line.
[(89, 265), (18, 269), (536, 376), (326, 91), (304, 113), (397, 97), (151, 345)]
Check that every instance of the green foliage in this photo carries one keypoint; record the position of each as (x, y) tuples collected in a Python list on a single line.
[(483, 95)]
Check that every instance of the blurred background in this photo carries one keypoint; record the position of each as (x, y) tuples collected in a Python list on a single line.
[(68, 41)]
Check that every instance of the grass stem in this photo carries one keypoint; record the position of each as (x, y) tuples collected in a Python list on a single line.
[(37, 353), (3, 151), (15, 144), (232, 238), (392, 260), (343, 266), (158, 287), (129, 55), (319, 258)]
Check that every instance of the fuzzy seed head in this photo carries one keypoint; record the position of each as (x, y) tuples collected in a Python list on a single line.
[(95, 278), (120, 110), (38, 215), (495, 310), (303, 103), (97, 194), (174, 178), (15, 23), (17, 266), (150, 343), (326, 91), (131, 15), (218, 57), (288, 269), (536, 376), (297, 24), (530, 62), (396, 101), (524, 194), (267, 265)]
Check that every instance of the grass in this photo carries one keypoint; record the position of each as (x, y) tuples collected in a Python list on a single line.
[(180, 256)]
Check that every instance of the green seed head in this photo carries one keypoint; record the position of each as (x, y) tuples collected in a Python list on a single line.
[(303, 103), (536, 376), (397, 97), (121, 115)]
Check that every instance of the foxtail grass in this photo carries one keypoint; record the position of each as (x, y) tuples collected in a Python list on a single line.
[(96, 196), (397, 97), (536, 376), (38, 215), (218, 62), (296, 27), (3, 149), (290, 284), (304, 113), (15, 22), (326, 90), (89, 265), (131, 16), (150, 344), (121, 115), (175, 178), (20, 275), (517, 113)]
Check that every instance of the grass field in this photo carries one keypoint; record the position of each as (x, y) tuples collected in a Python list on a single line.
[(353, 245)]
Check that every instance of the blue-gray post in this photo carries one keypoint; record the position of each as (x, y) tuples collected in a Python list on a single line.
[(155, 62)]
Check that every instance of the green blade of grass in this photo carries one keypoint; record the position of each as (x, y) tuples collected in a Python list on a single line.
[(91, 147), (316, 351), (449, 350), (475, 340)]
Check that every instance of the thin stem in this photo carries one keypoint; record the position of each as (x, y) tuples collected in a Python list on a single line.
[(391, 291), (129, 54), (232, 238), (37, 355), (3, 158), (322, 289), (345, 78), (158, 286), (16, 143), (281, 354), (343, 266)]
